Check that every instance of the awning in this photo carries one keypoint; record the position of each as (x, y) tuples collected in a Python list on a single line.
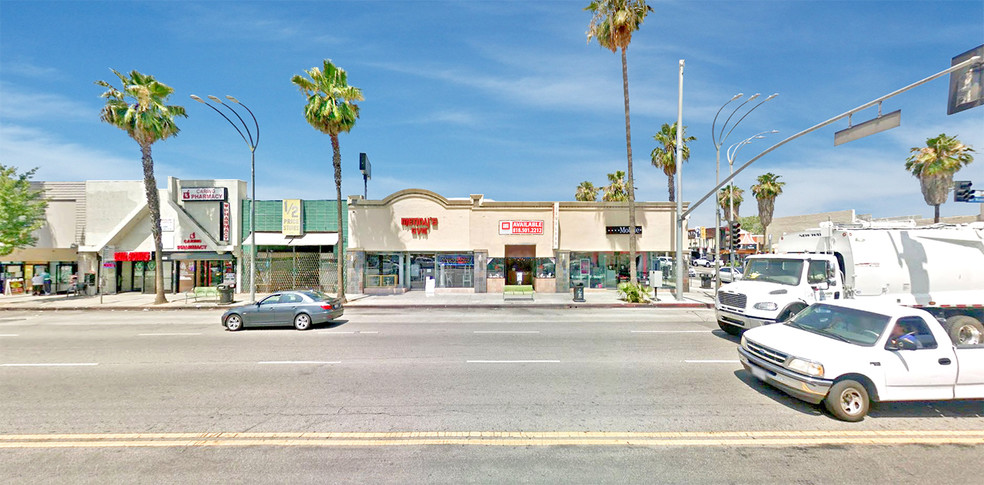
[(278, 239)]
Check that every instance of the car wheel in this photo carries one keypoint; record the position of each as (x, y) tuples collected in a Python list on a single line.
[(729, 329), (234, 322), (847, 401), (302, 321)]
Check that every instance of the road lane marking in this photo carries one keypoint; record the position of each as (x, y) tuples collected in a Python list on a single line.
[(711, 361), (672, 331), (513, 361), (9, 335), (288, 362), (165, 334), (507, 331), (330, 332), (499, 438), (51, 364)]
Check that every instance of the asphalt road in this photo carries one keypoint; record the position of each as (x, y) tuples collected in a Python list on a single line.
[(438, 396)]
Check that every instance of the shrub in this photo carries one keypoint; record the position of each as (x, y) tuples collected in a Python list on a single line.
[(633, 292)]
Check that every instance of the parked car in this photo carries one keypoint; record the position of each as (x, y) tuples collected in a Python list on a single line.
[(301, 309), (727, 276), (702, 262)]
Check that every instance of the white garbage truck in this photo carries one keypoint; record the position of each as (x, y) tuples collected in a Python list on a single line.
[(938, 268)]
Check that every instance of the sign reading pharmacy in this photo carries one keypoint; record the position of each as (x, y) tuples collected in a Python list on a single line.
[(203, 193), (192, 243), (520, 227)]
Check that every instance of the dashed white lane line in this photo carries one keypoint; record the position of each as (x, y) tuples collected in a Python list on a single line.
[(508, 331), (711, 361), (672, 331), (9, 335), (357, 332), (52, 364), (513, 361), (165, 334), (289, 362)]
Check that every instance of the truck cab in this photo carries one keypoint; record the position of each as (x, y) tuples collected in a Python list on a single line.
[(775, 287)]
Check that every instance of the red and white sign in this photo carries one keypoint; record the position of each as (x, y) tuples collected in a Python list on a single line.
[(192, 243), (419, 226), (225, 222), (520, 227), (203, 193)]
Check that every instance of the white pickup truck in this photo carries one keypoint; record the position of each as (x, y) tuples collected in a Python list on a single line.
[(848, 353)]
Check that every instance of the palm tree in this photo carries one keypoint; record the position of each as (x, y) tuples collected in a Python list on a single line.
[(935, 165), (586, 192), (615, 190), (664, 155), (724, 200), (330, 109), (768, 188), (140, 109), (612, 23)]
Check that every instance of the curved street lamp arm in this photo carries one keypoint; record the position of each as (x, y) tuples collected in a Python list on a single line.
[(249, 142), (200, 100), (749, 112), (725, 125), (255, 123), (713, 131)]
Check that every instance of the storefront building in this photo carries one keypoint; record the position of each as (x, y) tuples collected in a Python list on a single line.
[(295, 242), (416, 238), (198, 232), (55, 251)]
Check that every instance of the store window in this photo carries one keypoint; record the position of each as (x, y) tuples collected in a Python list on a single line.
[(496, 268), (546, 267), (382, 270), (455, 270)]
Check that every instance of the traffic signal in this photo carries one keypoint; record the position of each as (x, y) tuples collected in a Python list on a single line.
[(736, 234), (724, 236), (962, 191)]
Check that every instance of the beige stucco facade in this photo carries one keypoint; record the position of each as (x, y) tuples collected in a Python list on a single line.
[(416, 222)]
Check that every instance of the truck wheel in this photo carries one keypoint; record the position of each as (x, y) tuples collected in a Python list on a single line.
[(729, 329), (965, 330), (847, 401), (789, 313)]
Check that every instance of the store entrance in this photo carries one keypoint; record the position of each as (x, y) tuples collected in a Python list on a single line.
[(520, 263)]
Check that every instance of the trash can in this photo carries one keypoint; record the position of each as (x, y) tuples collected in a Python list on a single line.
[(705, 280), (579, 292), (225, 293)]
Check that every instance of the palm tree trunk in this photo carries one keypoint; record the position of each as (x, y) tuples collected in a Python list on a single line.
[(936, 217), (672, 185), (336, 161), (631, 187), (154, 205)]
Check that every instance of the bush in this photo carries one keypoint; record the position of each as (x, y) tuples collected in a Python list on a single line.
[(633, 292)]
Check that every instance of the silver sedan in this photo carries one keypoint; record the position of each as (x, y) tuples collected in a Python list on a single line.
[(301, 309)]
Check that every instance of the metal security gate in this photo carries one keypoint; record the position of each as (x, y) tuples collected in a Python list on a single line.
[(288, 271)]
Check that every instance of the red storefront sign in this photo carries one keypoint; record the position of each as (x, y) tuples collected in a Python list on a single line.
[(192, 243), (418, 225), (225, 222), (131, 256), (520, 227)]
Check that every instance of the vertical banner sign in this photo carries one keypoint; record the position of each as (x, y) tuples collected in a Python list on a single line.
[(292, 218), (224, 236), (556, 228)]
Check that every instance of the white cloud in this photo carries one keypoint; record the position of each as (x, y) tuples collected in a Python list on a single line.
[(21, 105), (58, 160)]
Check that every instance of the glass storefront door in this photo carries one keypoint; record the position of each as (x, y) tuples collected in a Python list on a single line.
[(422, 266)]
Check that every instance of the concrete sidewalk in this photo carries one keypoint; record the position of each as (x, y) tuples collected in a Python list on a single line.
[(698, 298)]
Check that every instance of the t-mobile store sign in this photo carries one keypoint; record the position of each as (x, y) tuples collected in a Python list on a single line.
[(520, 227)]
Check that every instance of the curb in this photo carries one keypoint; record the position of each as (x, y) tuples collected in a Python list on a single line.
[(554, 306)]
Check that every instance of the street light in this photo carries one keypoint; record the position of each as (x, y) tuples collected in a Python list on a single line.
[(732, 153), (251, 141), (718, 138)]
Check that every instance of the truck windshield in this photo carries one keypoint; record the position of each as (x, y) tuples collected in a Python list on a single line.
[(774, 270), (845, 324)]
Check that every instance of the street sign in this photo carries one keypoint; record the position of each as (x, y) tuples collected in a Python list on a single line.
[(966, 85), (976, 196)]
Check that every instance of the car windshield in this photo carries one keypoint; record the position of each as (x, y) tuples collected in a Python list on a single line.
[(845, 324), (781, 271)]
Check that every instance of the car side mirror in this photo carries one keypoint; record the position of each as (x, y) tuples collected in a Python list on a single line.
[(905, 342)]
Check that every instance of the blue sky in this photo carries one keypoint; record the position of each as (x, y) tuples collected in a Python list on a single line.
[(502, 98)]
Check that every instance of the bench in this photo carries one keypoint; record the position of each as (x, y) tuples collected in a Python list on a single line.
[(517, 291), (203, 293)]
